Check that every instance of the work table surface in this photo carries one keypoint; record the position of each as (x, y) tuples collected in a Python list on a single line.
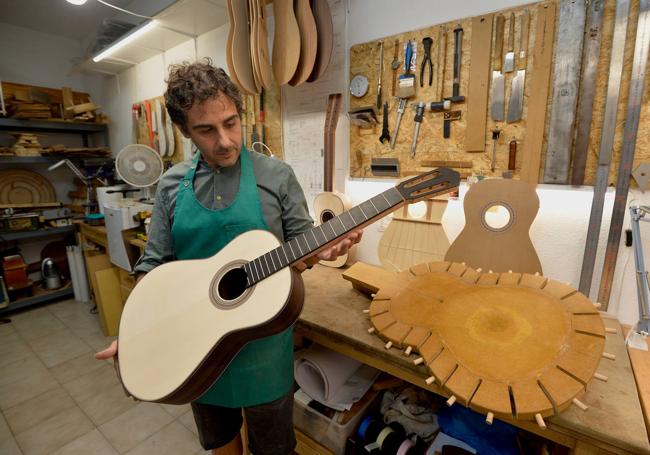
[(333, 316)]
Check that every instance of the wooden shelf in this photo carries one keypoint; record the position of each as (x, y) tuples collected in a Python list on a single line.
[(41, 296), (52, 125), (11, 236), (85, 160)]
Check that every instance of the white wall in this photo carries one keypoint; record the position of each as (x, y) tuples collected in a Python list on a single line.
[(31, 57), (559, 231)]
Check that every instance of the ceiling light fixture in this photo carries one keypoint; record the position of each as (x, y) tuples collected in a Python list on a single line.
[(77, 2), (124, 41)]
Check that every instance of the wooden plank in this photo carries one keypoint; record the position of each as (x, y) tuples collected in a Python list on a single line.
[(109, 299), (568, 49), (479, 76), (540, 76), (81, 108), (641, 365)]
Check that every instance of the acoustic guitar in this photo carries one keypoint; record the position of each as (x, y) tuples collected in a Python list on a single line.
[(330, 203), (186, 320)]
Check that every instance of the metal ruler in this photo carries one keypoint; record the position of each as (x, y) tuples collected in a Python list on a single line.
[(590, 58), (568, 50), (635, 98), (606, 145)]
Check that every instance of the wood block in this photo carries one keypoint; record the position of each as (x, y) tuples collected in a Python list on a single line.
[(439, 266), (488, 279), (396, 333), (419, 269), (509, 279), (430, 349), (443, 366), (492, 396), (530, 399), (561, 387), (471, 276), (81, 108), (588, 323), (457, 269), (462, 383), (559, 290), (378, 307), (532, 281), (382, 321), (578, 303), (416, 336), (366, 277)]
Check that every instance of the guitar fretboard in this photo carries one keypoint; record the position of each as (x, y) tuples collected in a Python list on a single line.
[(305, 244)]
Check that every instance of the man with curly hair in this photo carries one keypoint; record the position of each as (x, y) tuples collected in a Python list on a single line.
[(201, 205)]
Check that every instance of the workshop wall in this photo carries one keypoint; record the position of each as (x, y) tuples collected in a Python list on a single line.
[(560, 229)]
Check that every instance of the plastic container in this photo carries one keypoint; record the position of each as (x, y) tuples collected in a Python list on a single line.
[(328, 432)]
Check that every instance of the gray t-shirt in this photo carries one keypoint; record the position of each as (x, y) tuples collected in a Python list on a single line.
[(282, 200)]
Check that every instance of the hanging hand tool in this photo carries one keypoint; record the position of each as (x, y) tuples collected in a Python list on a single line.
[(516, 103), (458, 50), (426, 60), (509, 62), (381, 70), (244, 121), (385, 135), (449, 117), (262, 117), (419, 114), (442, 59), (395, 65), (254, 136), (497, 108), (495, 137), (512, 155), (439, 106), (400, 112), (406, 81)]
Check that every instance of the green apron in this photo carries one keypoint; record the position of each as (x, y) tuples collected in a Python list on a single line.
[(263, 370)]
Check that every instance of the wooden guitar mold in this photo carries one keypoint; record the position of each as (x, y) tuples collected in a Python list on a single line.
[(498, 249), (511, 345)]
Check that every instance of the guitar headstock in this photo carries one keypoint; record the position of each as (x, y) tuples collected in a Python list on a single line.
[(423, 186)]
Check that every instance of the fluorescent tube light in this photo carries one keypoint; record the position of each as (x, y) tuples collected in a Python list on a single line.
[(124, 41)]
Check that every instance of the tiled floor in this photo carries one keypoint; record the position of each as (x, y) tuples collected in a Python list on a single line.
[(55, 398)]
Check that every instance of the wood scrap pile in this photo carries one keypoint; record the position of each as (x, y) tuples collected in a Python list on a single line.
[(31, 102), (26, 145)]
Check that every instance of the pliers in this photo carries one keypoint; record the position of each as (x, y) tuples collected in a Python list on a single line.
[(426, 42)]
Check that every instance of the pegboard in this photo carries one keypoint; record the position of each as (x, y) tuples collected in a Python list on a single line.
[(365, 144)]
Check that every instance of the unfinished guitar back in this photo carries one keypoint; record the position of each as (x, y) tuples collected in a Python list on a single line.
[(498, 217)]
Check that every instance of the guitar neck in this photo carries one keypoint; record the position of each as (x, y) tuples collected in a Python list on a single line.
[(311, 242)]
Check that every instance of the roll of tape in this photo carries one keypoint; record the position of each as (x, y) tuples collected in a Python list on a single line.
[(404, 447), (383, 435), (361, 432)]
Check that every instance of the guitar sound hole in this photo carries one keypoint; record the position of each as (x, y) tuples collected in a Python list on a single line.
[(232, 284), (326, 216)]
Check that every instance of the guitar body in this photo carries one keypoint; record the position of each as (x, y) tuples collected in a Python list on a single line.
[(327, 205), (186, 320)]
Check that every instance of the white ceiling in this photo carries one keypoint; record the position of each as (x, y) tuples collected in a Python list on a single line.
[(58, 17)]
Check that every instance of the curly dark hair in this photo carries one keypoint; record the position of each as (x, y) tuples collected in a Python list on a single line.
[(190, 83)]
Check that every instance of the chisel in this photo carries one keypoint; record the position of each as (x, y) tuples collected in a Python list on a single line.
[(381, 70), (400, 112), (497, 108), (516, 103), (419, 114), (509, 62)]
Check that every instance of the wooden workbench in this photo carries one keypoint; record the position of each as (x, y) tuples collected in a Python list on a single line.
[(333, 317)]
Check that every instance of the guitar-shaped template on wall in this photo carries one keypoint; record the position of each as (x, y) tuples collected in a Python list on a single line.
[(330, 203), (186, 320), (504, 244)]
